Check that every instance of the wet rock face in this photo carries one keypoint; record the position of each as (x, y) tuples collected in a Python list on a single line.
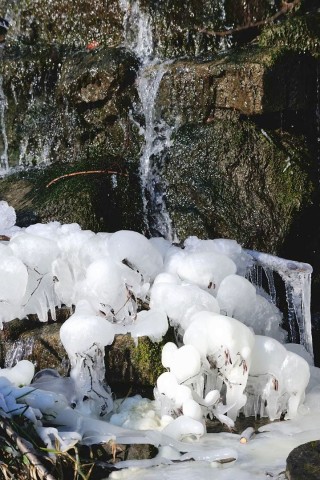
[(84, 97), (71, 110), (178, 28), (303, 463), (231, 179), (74, 23), (237, 143), (234, 170), (185, 28), (252, 83)]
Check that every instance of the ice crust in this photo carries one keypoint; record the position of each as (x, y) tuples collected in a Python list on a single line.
[(230, 354)]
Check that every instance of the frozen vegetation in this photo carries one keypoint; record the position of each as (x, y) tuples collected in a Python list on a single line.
[(230, 356)]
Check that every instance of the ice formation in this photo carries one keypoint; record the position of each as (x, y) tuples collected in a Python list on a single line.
[(273, 386), (230, 354)]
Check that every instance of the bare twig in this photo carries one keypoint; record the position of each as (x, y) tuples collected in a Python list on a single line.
[(285, 8), (73, 174)]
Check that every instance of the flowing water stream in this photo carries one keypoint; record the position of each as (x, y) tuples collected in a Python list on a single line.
[(4, 162), (157, 134)]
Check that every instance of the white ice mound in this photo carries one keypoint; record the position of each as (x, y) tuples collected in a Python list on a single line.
[(137, 251), (181, 391), (84, 329), (225, 345), (183, 427), (21, 374), (7, 217), (12, 290), (176, 394), (238, 298), (221, 246), (206, 269), (105, 289), (84, 336), (180, 302), (151, 323), (184, 362), (277, 380), (36, 252)]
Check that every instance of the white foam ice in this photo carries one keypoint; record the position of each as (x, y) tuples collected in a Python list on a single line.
[(123, 283), (7, 217), (273, 388)]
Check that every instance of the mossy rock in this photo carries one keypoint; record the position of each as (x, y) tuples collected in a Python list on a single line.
[(303, 463), (231, 179), (98, 201), (298, 33), (248, 81), (131, 367), (178, 28)]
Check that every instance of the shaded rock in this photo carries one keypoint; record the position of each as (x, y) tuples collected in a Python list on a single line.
[(121, 452), (230, 179), (130, 366), (99, 79), (32, 340), (300, 33), (85, 98), (303, 463), (99, 201), (28, 82)]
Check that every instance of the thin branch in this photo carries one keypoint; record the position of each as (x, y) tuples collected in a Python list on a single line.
[(286, 7), (73, 174)]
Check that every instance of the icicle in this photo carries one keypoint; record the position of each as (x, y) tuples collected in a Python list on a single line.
[(18, 351), (272, 289), (297, 279)]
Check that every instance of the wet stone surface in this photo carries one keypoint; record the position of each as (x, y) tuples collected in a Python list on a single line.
[(303, 463)]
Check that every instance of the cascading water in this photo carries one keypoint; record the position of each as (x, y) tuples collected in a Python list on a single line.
[(137, 30), (157, 133), (4, 162), (225, 42)]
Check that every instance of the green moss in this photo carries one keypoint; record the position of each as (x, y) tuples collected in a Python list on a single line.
[(93, 200), (146, 357), (300, 34)]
